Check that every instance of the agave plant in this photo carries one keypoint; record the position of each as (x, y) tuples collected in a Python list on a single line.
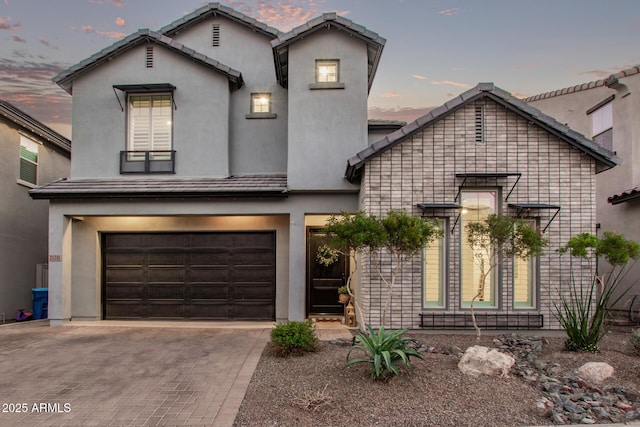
[(383, 350)]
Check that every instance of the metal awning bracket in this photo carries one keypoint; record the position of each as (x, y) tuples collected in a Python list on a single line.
[(118, 98), (526, 208)]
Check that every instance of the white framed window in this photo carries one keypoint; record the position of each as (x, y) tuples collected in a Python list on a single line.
[(434, 270), (477, 205), (28, 160), (327, 71), (150, 125), (525, 281), (602, 124), (260, 103)]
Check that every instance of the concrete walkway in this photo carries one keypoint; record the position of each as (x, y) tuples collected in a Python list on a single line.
[(117, 373)]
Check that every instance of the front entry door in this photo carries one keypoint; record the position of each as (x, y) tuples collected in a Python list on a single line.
[(323, 282)]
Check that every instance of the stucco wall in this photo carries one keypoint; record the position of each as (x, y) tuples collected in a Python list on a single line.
[(326, 126), (200, 121), (23, 221), (255, 145), (622, 218), (422, 170)]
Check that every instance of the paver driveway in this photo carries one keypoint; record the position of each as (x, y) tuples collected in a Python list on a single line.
[(122, 375)]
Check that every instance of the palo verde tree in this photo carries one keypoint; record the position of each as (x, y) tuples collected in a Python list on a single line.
[(496, 240), (401, 235), (583, 313)]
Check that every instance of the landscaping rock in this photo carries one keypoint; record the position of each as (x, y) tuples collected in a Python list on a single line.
[(479, 360), (595, 372)]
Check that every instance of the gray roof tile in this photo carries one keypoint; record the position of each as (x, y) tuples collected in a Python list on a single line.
[(66, 77), (605, 158), (254, 185), (213, 9), (25, 121)]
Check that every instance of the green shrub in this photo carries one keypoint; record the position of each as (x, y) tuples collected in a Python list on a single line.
[(383, 351), (295, 337), (583, 314), (635, 340)]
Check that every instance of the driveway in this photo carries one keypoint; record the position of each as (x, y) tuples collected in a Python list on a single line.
[(116, 374)]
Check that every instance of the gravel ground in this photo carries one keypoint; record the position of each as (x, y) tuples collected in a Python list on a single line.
[(434, 394)]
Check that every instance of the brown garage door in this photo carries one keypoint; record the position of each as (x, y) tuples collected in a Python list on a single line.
[(217, 276)]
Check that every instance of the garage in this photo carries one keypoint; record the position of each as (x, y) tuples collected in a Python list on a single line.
[(190, 276)]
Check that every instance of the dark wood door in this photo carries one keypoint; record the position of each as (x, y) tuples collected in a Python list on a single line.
[(217, 276), (322, 281)]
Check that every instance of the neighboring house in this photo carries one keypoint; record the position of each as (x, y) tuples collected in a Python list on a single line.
[(30, 154), (482, 152), (208, 156), (607, 110)]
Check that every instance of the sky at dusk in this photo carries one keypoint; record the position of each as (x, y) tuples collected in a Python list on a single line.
[(435, 49)]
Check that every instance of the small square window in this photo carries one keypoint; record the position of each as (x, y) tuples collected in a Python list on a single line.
[(260, 103), (327, 71)]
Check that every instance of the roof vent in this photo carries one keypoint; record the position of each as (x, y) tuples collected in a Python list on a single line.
[(215, 35), (479, 124), (149, 57)]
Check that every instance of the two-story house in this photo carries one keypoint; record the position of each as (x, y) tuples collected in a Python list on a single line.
[(208, 156), (208, 153), (31, 154), (605, 110)]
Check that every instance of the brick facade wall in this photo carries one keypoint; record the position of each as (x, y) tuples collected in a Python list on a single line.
[(422, 169)]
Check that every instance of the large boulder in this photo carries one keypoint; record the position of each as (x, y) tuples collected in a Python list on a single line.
[(595, 372), (479, 360)]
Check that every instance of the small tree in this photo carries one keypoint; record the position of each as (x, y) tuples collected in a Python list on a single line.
[(401, 234), (495, 240), (583, 313)]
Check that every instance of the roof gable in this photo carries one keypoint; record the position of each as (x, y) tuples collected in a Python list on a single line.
[(605, 159), (65, 78), (375, 43), (33, 126), (216, 9)]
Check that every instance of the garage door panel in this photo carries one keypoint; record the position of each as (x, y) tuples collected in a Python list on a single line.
[(166, 275), (175, 292), (124, 310), (210, 291), (218, 275), (125, 291), (253, 292), (209, 274), (167, 310), (124, 275)]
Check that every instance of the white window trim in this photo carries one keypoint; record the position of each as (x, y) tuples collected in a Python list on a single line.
[(26, 141), (129, 143), (261, 115), (320, 85)]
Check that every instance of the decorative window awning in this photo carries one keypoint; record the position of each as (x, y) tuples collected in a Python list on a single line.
[(495, 175), (145, 88), (524, 209), (427, 206)]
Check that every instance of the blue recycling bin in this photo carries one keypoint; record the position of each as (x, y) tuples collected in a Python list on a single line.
[(40, 303)]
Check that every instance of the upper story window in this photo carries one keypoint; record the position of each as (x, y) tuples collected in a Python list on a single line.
[(260, 102), (602, 123), (150, 120), (28, 160), (327, 71), (261, 106), (327, 75)]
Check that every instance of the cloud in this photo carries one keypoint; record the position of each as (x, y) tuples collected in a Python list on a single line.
[(27, 84), (520, 95), (5, 24), (450, 12), (117, 3), (451, 83), (120, 22), (398, 113), (17, 39), (108, 34), (282, 14), (391, 94), (596, 74), (419, 77), (525, 67), (46, 43)]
